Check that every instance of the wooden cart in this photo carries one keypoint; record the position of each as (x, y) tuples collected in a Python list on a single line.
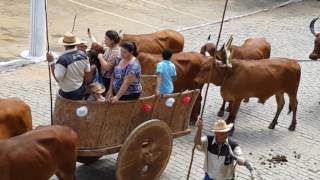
[(141, 130)]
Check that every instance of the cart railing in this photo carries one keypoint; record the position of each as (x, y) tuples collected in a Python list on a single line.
[(106, 126)]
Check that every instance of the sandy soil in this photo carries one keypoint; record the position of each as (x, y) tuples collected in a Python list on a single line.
[(132, 16)]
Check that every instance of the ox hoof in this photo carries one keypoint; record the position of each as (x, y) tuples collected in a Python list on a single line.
[(272, 126), (228, 109), (220, 113), (292, 127)]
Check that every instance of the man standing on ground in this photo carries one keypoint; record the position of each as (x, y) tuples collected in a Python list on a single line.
[(71, 71), (221, 153)]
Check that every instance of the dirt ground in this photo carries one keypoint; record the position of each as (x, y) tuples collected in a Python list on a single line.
[(132, 16)]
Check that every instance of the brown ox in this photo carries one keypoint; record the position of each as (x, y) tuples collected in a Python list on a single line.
[(187, 65), (39, 154), (316, 50), (253, 49), (154, 42), (261, 79), (15, 117), (157, 41)]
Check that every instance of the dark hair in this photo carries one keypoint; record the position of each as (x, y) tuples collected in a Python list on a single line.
[(113, 35), (166, 54), (130, 46)]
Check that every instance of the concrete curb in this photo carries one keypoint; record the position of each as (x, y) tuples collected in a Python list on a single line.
[(14, 64)]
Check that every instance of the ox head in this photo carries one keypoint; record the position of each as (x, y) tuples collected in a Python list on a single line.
[(209, 48), (316, 50), (218, 69)]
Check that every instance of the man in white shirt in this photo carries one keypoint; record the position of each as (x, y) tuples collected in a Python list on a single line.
[(221, 153), (72, 68)]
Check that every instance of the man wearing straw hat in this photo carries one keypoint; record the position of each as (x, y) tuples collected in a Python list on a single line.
[(221, 153), (71, 71)]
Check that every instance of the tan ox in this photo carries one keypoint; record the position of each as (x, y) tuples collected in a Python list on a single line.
[(251, 49), (187, 65), (154, 42), (38, 154), (15, 117), (261, 79), (316, 50)]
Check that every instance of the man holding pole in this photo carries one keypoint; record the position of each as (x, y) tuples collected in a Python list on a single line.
[(221, 153), (71, 71)]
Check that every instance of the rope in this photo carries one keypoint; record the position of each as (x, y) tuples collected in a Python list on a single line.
[(49, 67), (207, 88)]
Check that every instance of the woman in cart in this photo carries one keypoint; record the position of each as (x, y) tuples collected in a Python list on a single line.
[(125, 83)]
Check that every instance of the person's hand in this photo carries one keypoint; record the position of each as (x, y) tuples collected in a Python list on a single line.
[(157, 92), (199, 123), (109, 95), (114, 99), (50, 57), (253, 175), (100, 56)]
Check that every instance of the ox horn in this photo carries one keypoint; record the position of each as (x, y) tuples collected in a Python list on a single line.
[(229, 42), (228, 58), (91, 37), (209, 37), (120, 34), (312, 25)]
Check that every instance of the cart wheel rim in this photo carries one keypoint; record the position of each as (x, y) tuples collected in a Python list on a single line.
[(146, 152)]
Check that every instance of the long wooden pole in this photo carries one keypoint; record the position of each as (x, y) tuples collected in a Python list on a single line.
[(208, 83), (49, 67)]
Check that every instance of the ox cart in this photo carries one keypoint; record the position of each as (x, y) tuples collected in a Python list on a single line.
[(141, 130)]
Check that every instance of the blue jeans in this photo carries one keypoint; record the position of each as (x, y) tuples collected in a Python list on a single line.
[(206, 177), (74, 95), (102, 80)]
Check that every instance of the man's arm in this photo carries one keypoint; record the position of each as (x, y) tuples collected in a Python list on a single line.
[(128, 80), (106, 65), (58, 73), (197, 138)]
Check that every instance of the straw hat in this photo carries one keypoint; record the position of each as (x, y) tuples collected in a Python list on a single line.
[(69, 39), (96, 88), (221, 126)]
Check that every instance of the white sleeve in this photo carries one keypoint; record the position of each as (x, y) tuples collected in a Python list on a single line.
[(204, 144), (59, 72), (238, 152)]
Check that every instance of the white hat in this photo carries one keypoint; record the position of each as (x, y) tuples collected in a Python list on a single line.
[(221, 126)]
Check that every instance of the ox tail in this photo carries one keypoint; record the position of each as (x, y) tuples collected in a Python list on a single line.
[(290, 108)]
